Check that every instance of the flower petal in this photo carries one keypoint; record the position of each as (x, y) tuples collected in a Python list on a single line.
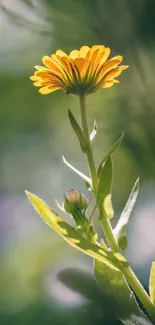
[(63, 63), (48, 89), (51, 65), (43, 74), (38, 67), (105, 55), (107, 84), (40, 83), (74, 54), (100, 56), (107, 67), (118, 57), (93, 55), (61, 53), (115, 73), (90, 60), (124, 67), (79, 63), (115, 81), (35, 78), (96, 47), (83, 51)]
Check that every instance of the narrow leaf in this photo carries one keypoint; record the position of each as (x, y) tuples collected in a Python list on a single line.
[(104, 189), (60, 206), (122, 238), (103, 245), (89, 187), (117, 295), (120, 229), (152, 283), (72, 236), (83, 176), (110, 153), (78, 131), (94, 132)]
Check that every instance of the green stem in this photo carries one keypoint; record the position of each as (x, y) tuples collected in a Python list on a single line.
[(89, 152), (127, 271), (139, 291), (109, 233)]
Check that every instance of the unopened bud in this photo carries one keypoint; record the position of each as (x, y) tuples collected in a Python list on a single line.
[(75, 201)]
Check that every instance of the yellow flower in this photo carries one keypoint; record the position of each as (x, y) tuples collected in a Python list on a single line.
[(81, 72)]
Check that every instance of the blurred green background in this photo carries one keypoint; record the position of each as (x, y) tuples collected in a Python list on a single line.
[(42, 279)]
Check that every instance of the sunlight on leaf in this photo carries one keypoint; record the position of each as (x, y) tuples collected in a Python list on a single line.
[(104, 189), (120, 229), (78, 131), (117, 295), (152, 283), (72, 236)]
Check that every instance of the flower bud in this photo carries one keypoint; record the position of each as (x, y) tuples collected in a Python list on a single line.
[(75, 201)]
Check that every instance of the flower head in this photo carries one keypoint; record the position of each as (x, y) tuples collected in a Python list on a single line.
[(81, 72)]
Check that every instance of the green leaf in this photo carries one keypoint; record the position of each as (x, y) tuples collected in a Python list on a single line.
[(104, 189), (72, 236), (61, 207), (78, 131), (122, 238), (83, 176), (120, 229), (110, 153), (152, 283), (103, 245), (117, 295)]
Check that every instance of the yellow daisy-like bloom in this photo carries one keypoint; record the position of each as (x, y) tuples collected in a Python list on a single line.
[(81, 72)]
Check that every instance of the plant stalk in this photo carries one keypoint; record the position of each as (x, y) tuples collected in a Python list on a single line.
[(127, 271), (109, 233), (139, 291), (89, 152)]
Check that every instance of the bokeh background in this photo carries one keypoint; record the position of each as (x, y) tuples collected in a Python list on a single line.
[(42, 279)]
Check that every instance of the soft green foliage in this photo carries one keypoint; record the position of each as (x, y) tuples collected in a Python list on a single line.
[(120, 229), (112, 271), (72, 236), (78, 131), (118, 295), (34, 127), (104, 189), (152, 283), (122, 238), (109, 279), (110, 267)]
